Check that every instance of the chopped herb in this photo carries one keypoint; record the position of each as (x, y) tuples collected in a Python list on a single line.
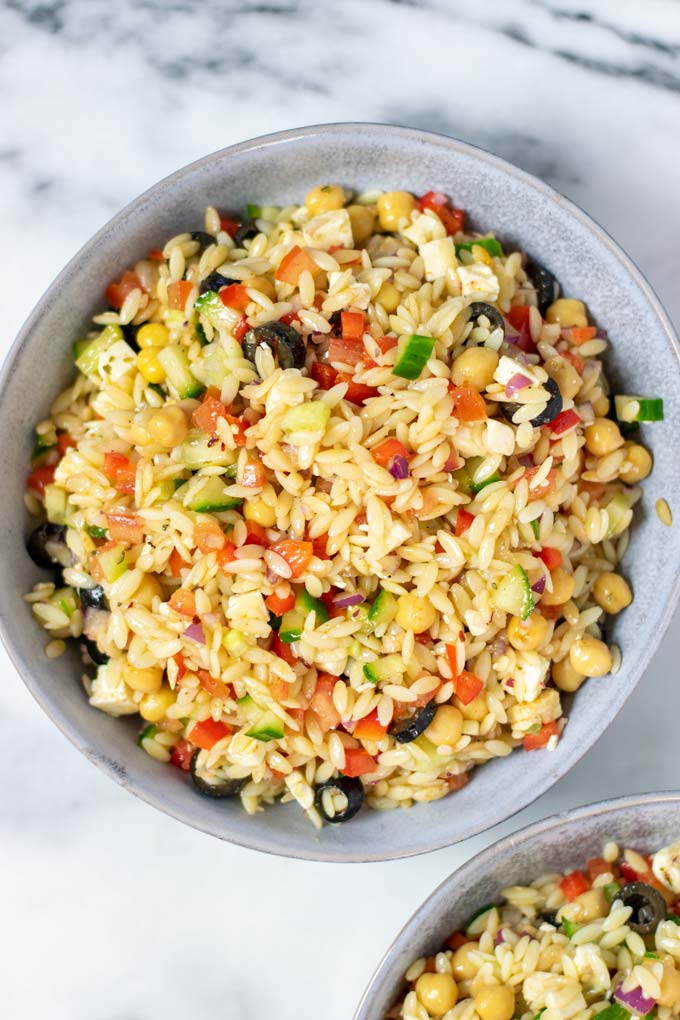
[(673, 917), (200, 333), (611, 890), (570, 930), (613, 1012), (94, 531), (534, 528)]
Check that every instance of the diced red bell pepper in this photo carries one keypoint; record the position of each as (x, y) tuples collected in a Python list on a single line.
[(321, 703), (468, 686), (280, 604), (120, 471), (518, 316), (208, 534), (544, 488), (352, 325), (574, 884), (356, 393), (289, 318), (293, 264), (229, 225), (235, 296), (564, 421), (358, 762), (156, 255), (628, 872), (534, 741), (208, 413), (117, 292), (64, 442), (183, 602), (206, 734), (296, 554), (320, 546), (176, 563), (181, 754), (574, 360), (240, 329), (178, 294), (389, 448), (214, 686), (125, 526), (226, 555), (469, 405), (551, 557), (596, 866), (178, 658), (344, 351), (463, 521), (369, 728), (325, 375), (453, 219), (283, 651), (452, 659), (39, 478), (256, 534)]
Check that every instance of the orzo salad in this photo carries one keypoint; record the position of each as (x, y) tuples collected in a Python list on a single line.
[(336, 500), (598, 943)]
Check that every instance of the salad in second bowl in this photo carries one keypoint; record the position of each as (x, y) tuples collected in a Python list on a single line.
[(337, 502)]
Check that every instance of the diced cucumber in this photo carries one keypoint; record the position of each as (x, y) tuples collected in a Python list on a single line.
[(55, 504), (465, 476), (250, 708), (157, 388), (476, 487), (212, 497), (200, 333), (253, 211), (197, 450), (42, 446), (617, 512), (630, 408), (383, 610), (270, 213), (265, 724), (211, 307), (434, 758), (513, 593), (79, 347), (212, 367), (413, 356), (148, 733), (489, 244), (383, 669), (236, 643), (306, 603), (113, 563), (175, 361), (293, 621), (312, 416), (535, 528), (66, 600), (611, 891), (570, 929), (107, 355)]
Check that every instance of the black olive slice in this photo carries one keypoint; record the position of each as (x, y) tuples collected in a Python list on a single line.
[(285, 342), (214, 788), (479, 308), (214, 281), (246, 232), (204, 239), (551, 410), (649, 906), (408, 729), (45, 543), (98, 657), (353, 790), (547, 287), (93, 598)]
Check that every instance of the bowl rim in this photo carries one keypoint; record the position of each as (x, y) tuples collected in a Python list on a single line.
[(502, 848), (257, 839)]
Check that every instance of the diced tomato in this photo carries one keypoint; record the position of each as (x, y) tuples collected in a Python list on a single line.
[(469, 405), (39, 478), (579, 334), (463, 521), (279, 689), (238, 429), (181, 666), (452, 659), (213, 685), (457, 939), (550, 612), (254, 474), (175, 563), (208, 534), (178, 294), (206, 734), (352, 325), (453, 461), (319, 546), (181, 755), (597, 866), (389, 448), (468, 686), (235, 296), (293, 264), (325, 375), (227, 554), (574, 884), (256, 534), (358, 762), (156, 255), (551, 557), (118, 291), (240, 329), (296, 554), (208, 413), (458, 781), (544, 488), (229, 225), (321, 703), (533, 741), (573, 359), (64, 443), (453, 219), (183, 602), (346, 352), (369, 728), (628, 873), (356, 393), (120, 472), (280, 604), (328, 599), (125, 526), (289, 318), (518, 316), (564, 421), (283, 651)]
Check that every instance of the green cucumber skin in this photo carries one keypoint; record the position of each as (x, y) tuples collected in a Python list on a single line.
[(416, 353)]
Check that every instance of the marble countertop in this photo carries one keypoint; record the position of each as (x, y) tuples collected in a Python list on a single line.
[(111, 910)]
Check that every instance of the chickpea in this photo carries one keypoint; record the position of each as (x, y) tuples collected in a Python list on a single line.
[(149, 366), (389, 297), (568, 312), (637, 465), (393, 207), (152, 334), (362, 219), (602, 437), (565, 677), (495, 1002), (148, 589), (438, 993), (529, 634), (565, 375), (464, 968), (589, 905), (475, 367), (563, 588), (263, 284), (590, 656), (258, 510), (670, 984), (168, 426), (475, 710), (154, 707), (415, 613), (447, 726), (601, 406), (325, 198), (612, 592), (147, 680)]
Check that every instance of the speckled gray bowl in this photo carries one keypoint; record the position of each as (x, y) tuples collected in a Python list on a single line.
[(281, 168), (646, 822)]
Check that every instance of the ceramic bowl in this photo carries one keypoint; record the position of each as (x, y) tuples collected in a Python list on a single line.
[(645, 822), (279, 169)]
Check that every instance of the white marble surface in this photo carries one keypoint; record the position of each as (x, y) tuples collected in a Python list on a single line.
[(110, 911)]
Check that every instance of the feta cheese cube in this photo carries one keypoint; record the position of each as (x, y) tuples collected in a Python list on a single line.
[(439, 257), (479, 282)]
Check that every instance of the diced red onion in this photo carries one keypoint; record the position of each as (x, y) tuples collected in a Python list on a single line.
[(539, 586), (272, 576), (522, 358), (635, 1000), (510, 682), (587, 412), (398, 467), (348, 600), (516, 383), (602, 334), (195, 632), (500, 646), (499, 937), (526, 460), (511, 335)]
